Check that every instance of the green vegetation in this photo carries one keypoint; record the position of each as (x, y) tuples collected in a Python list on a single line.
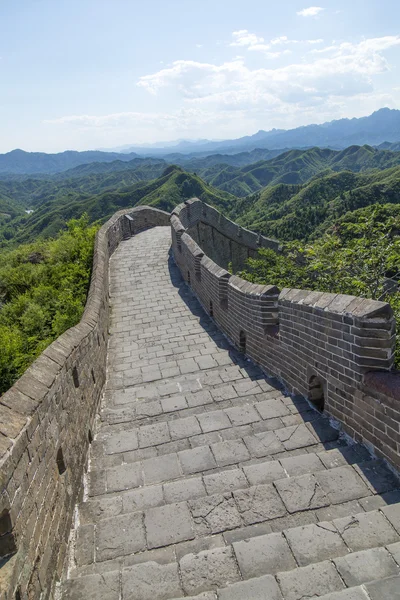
[(359, 255), (43, 289)]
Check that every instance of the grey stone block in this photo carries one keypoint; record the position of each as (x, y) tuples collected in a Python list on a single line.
[(264, 472), (124, 477), (342, 484), (242, 415), (183, 428), (301, 493), (93, 587), (262, 588), (392, 513), (184, 489), (356, 593), (196, 460), (167, 525), (302, 465), (387, 589), (225, 481), (263, 444), (208, 570), (266, 554), (230, 452), (269, 409), (173, 403), (296, 436), (142, 498), (360, 567), (122, 442), (378, 477), (213, 421), (152, 435), (315, 543), (151, 580), (216, 513), (259, 503), (161, 468), (310, 582), (366, 530), (394, 550), (119, 536)]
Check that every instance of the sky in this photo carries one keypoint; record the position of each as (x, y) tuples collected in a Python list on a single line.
[(87, 74)]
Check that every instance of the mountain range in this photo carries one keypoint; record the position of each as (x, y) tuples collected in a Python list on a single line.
[(381, 129)]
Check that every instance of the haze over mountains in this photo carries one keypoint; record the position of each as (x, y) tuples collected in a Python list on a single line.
[(380, 128)]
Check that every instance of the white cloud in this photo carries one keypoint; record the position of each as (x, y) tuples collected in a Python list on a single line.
[(245, 38), (312, 11)]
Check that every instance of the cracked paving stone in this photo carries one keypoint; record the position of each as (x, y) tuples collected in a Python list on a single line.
[(342, 484), (167, 525), (263, 444), (92, 587), (270, 409), (230, 452), (315, 543), (259, 503), (208, 570), (242, 415), (296, 436), (301, 493), (366, 530), (218, 512), (225, 481)]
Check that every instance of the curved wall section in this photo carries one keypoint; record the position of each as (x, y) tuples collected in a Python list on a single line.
[(45, 430), (332, 348)]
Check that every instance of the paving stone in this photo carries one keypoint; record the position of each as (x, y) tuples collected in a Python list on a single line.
[(242, 415), (208, 570), (199, 398), (259, 503), (246, 387), (152, 435), (323, 430), (184, 428), (266, 554), (124, 477), (184, 489), (225, 481), (392, 513), (262, 588), (230, 452), (301, 493), (84, 553), (173, 447), (119, 536), (151, 580), (375, 502), (168, 525), (213, 421), (162, 556), (264, 472), (206, 439), (301, 465), (387, 589), (199, 545), (161, 468), (272, 408), (315, 543), (349, 594), (142, 498), (297, 436), (216, 513), (263, 444), (99, 508), (310, 582), (93, 587), (366, 530), (196, 460), (224, 392), (342, 484), (335, 511), (295, 520), (394, 550), (174, 403), (360, 567), (122, 442)]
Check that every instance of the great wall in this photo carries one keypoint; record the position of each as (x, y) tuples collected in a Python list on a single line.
[(199, 436)]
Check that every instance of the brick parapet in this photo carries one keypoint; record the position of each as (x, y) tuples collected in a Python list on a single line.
[(46, 420), (302, 337)]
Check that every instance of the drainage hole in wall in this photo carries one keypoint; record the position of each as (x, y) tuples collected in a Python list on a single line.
[(75, 377), (18, 594), (211, 309), (316, 393), (93, 377), (60, 462), (242, 341), (90, 436), (7, 539), (188, 278)]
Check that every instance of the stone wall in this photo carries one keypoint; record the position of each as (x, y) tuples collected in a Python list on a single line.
[(221, 239), (332, 348), (45, 431)]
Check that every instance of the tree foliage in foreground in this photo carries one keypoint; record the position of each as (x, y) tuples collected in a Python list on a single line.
[(360, 255), (43, 288)]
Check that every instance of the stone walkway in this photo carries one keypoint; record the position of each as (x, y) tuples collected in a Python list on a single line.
[(206, 480)]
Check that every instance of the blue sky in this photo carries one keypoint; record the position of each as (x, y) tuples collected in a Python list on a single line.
[(82, 74)]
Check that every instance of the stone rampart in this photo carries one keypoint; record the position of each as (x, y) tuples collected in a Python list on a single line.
[(335, 349), (46, 422)]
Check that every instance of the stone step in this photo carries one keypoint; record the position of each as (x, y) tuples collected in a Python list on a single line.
[(157, 517), (299, 562)]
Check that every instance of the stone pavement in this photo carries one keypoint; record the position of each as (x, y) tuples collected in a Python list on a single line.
[(206, 480)]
